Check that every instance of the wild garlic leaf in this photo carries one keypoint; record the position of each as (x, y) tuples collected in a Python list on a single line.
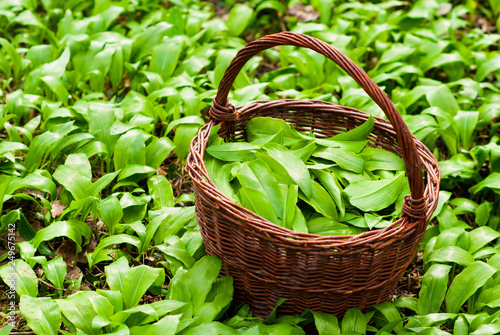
[(213, 165), (294, 166), (332, 185), (280, 172), (345, 159), (276, 138), (289, 194), (352, 146), (258, 203), (375, 195), (303, 149), (321, 201), (258, 175), (223, 181), (380, 159), (260, 129), (492, 182), (299, 223), (466, 284), (324, 226), (232, 152), (359, 133)]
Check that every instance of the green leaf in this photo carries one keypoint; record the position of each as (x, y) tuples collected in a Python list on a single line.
[(6, 146), (200, 277), (182, 140), (73, 181), (116, 272), (130, 149), (467, 122), (487, 329), (80, 309), (101, 183), (7, 329), (42, 314), (80, 163), (224, 178), (145, 41), (258, 203), (218, 300), (466, 284), (157, 151), (451, 254), (257, 175), (489, 297), (24, 277), (354, 321), (136, 172), (161, 190), (492, 182), (73, 229), (165, 57), (463, 206), (210, 328), (57, 87), (483, 212), (34, 180), (332, 185), (15, 58), (321, 201), (326, 324), (359, 133), (375, 195), (352, 146), (111, 213), (294, 166), (260, 129), (304, 151), (187, 120), (115, 239), (434, 285), (55, 270), (239, 18), (290, 195), (166, 326), (487, 67), (345, 159), (480, 237), (391, 314), (179, 254), (379, 159), (136, 283), (135, 316), (461, 326), (443, 98), (231, 152)]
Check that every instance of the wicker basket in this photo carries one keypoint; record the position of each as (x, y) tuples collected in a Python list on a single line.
[(323, 273)]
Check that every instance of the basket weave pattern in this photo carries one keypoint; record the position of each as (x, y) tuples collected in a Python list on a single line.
[(324, 273)]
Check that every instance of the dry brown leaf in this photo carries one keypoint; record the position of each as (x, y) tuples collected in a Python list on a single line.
[(303, 13), (73, 272), (57, 208), (67, 250)]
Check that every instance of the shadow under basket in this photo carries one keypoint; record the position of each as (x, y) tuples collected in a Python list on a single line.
[(324, 273)]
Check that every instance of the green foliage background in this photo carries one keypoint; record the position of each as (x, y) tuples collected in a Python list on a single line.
[(100, 100)]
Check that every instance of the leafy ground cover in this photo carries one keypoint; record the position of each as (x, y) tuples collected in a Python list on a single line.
[(100, 100)]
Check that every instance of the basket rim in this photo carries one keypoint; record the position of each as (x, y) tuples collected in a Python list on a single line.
[(403, 224)]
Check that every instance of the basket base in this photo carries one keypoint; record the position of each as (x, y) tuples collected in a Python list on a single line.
[(263, 302)]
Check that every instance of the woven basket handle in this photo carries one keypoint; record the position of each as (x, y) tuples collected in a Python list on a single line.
[(221, 110)]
